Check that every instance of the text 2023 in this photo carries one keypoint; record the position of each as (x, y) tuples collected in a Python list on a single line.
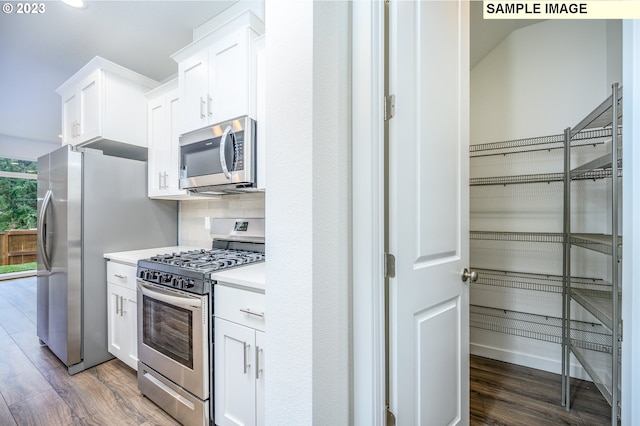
[(30, 8)]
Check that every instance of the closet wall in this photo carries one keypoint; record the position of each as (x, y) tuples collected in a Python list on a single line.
[(540, 80)]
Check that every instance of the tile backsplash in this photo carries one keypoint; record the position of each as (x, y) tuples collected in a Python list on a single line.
[(193, 214)]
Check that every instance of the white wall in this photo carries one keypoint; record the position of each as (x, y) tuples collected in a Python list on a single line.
[(534, 82), (307, 212), (24, 149), (540, 80)]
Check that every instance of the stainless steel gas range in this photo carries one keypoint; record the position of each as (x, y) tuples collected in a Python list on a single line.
[(175, 318)]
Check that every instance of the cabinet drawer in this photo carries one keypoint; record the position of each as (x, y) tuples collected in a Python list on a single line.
[(121, 274), (243, 307)]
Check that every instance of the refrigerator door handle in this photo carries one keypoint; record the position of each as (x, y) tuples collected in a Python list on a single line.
[(43, 232)]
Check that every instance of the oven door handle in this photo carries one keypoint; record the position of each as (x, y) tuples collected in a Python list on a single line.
[(174, 300)]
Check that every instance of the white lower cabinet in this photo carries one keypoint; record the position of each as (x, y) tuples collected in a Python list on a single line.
[(239, 354), (122, 324)]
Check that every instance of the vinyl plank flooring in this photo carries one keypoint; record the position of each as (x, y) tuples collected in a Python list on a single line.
[(19, 379), (5, 339), (6, 418), (496, 398), (14, 321), (21, 293), (46, 408), (39, 355)]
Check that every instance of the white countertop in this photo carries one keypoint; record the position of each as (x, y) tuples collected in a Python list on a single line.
[(251, 276), (131, 257)]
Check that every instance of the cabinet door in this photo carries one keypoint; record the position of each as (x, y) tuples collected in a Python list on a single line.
[(90, 107), (70, 118), (171, 178), (117, 330), (131, 323), (234, 376), (193, 81), (229, 76), (260, 363), (157, 145)]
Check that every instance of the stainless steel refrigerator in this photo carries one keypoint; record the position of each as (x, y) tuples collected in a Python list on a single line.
[(89, 204)]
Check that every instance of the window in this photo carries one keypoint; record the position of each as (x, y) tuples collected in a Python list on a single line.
[(18, 194)]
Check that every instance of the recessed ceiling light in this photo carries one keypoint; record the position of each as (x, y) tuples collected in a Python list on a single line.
[(75, 3)]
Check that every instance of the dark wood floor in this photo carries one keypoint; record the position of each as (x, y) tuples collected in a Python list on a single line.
[(35, 388), (509, 394)]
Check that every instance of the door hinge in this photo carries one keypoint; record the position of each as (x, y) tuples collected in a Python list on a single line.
[(389, 265), (391, 419), (389, 107)]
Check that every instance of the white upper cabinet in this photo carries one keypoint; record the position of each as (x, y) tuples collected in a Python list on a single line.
[(217, 76), (104, 104), (164, 149)]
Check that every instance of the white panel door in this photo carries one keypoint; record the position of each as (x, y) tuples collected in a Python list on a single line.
[(171, 179), (228, 77), (193, 77), (116, 322), (130, 313), (91, 107), (69, 118), (428, 212), (157, 116), (235, 386)]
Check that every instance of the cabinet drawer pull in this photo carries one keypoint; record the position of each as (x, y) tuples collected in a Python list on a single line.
[(122, 277), (250, 312)]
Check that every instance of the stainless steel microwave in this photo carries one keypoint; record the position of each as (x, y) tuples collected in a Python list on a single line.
[(219, 159)]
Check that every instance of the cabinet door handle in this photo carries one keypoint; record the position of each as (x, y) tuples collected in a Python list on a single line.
[(258, 369), (250, 312), (122, 311), (246, 357), (202, 102), (209, 109), (165, 180), (117, 309), (159, 180)]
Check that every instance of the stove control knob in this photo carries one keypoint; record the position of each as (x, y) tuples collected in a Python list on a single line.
[(166, 278), (190, 283), (141, 273)]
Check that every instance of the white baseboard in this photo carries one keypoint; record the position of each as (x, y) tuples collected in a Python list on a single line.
[(528, 360)]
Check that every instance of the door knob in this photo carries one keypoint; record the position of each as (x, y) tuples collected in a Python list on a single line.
[(472, 276)]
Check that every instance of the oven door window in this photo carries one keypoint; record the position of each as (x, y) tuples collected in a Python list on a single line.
[(169, 330)]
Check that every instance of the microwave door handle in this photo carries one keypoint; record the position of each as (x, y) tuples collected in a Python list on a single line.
[(223, 159)]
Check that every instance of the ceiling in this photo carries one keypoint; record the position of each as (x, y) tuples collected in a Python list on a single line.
[(40, 52), (487, 34)]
